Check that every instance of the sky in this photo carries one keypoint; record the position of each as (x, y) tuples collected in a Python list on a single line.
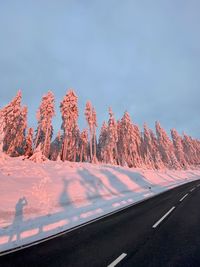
[(137, 56)]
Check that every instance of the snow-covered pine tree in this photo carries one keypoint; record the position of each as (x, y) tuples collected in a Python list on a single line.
[(166, 148), (125, 130), (69, 111), (189, 150), (158, 163), (112, 141), (102, 144), (2, 126), (28, 149), (75, 146), (127, 144), (196, 145), (147, 148), (89, 118), (138, 142), (44, 130), (21, 132), (94, 120), (11, 113), (120, 146), (15, 119), (178, 147)]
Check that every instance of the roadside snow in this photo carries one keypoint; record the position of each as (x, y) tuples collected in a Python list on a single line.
[(41, 199)]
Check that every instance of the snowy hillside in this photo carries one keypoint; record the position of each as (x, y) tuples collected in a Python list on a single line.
[(41, 199)]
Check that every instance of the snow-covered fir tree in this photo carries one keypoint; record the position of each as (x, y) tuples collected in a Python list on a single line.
[(178, 147), (28, 149), (138, 143), (21, 132), (112, 140), (89, 118), (94, 119), (127, 145), (44, 130), (196, 144), (166, 148), (189, 150), (69, 111), (15, 119), (159, 164), (2, 126), (11, 114), (147, 148), (102, 144)]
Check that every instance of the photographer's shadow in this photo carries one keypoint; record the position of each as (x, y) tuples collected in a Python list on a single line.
[(18, 219)]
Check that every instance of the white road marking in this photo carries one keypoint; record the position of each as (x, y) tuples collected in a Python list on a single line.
[(120, 258), (183, 197), (163, 217), (198, 185), (192, 189)]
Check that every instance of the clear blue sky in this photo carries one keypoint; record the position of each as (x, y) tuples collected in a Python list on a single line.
[(141, 56)]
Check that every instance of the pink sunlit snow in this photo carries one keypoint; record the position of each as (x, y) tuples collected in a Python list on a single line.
[(41, 199)]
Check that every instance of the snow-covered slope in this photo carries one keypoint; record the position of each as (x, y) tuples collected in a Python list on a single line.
[(41, 199)]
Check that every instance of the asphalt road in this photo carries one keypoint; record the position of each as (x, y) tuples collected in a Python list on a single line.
[(162, 231)]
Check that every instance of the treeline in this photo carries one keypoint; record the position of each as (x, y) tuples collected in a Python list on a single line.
[(120, 142)]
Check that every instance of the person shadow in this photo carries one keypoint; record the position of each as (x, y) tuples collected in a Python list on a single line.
[(18, 219)]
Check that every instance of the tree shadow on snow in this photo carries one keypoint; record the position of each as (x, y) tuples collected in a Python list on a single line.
[(93, 185), (116, 182), (137, 178), (64, 199)]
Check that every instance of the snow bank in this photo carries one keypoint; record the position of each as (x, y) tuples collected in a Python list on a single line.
[(41, 199)]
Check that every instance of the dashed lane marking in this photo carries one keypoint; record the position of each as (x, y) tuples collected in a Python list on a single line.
[(120, 258), (183, 197), (163, 217)]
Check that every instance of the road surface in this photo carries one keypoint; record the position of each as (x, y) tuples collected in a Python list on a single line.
[(161, 231)]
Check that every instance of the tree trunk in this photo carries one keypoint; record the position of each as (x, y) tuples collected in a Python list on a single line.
[(91, 156), (81, 154), (37, 137), (45, 143), (95, 149), (64, 149)]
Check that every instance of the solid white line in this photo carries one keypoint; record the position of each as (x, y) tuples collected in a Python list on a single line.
[(192, 189), (163, 217), (120, 258), (183, 197)]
